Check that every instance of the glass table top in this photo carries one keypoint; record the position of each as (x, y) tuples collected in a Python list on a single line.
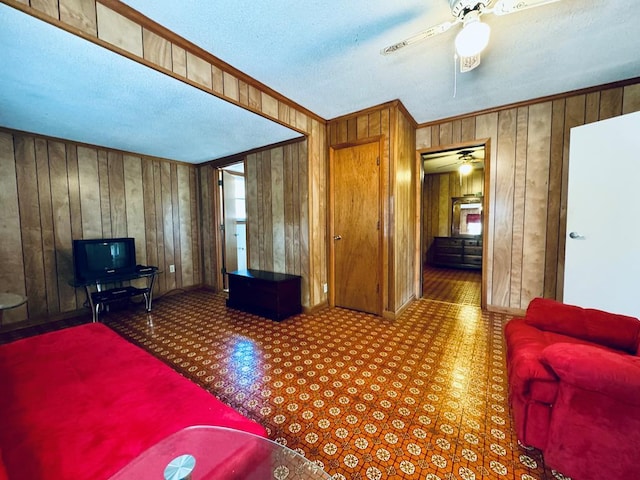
[(211, 453)]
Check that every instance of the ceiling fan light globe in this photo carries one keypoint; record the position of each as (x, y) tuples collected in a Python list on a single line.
[(473, 38), (465, 169)]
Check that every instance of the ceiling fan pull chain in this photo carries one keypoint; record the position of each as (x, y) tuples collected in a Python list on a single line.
[(455, 74)]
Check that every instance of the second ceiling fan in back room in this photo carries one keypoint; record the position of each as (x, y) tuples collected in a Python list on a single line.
[(474, 36)]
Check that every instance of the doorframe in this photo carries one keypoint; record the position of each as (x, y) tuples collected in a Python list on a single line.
[(382, 238), (486, 143)]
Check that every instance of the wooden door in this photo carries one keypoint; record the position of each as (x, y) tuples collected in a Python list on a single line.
[(602, 257), (356, 227)]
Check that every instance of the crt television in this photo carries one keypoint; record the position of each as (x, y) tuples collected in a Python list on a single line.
[(101, 258)]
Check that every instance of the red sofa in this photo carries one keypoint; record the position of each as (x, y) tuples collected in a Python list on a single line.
[(574, 388), (82, 403)]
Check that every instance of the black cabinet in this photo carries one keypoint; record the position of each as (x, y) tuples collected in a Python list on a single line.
[(268, 294), (457, 252)]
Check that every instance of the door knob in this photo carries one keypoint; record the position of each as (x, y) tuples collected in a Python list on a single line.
[(576, 236), (337, 237)]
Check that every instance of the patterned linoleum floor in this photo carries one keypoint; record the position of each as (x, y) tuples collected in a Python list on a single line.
[(420, 397), (452, 285)]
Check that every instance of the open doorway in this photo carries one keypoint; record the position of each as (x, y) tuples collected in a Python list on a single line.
[(233, 229), (453, 223)]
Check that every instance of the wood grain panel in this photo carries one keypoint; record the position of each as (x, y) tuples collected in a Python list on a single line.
[(184, 225), (536, 201), (179, 60), (266, 195), (610, 103), (48, 7), (26, 172), (554, 210), (89, 192), (80, 14), (12, 275), (117, 199), (166, 218), (209, 261), (231, 88), (519, 191), (631, 98), (195, 230), (46, 225), (156, 49), (119, 30), (177, 250), (105, 200), (278, 210), (198, 70), (134, 201)]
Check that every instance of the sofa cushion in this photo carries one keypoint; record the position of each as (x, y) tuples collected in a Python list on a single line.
[(612, 330)]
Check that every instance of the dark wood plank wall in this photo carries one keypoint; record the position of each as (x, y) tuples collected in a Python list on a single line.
[(277, 193), (529, 153), (54, 191), (438, 189)]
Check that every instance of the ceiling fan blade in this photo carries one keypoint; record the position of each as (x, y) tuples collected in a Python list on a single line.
[(504, 7), (418, 37)]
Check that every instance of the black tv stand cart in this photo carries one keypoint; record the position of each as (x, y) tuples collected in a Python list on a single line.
[(102, 291)]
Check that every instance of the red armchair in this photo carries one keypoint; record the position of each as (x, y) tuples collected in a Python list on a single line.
[(574, 388)]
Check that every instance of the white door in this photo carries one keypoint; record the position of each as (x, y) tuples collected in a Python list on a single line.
[(602, 264)]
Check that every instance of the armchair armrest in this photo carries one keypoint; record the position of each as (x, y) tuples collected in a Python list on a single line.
[(596, 369)]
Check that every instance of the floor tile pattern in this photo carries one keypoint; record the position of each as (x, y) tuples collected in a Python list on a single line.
[(452, 285), (420, 397)]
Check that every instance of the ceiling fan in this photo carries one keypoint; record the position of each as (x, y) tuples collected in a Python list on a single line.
[(468, 159), (474, 36)]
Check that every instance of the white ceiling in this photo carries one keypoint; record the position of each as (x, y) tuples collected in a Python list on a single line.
[(323, 55)]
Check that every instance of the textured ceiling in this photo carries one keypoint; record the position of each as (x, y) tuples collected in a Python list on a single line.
[(323, 55)]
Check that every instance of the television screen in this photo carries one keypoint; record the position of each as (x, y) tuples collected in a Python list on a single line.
[(104, 257)]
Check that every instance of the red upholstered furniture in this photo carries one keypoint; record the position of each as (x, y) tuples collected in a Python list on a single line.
[(81, 403), (574, 388)]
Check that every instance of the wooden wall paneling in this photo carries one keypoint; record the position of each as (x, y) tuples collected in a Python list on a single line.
[(592, 112), (61, 212), (362, 126), (243, 93), (75, 209), (135, 205), (207, 225), (167, 224), (467, 129), (199, 71), (313, 178), (150, 220), (46, 225), (374, 123), (48, 7), (267, 214), (610, 103), (536, 201), (423, 137), (179, 60), (12, 278), (175, 226), (446, 134), (444, 205), (119, 30), (196, 246), (253, 213), (435, 135), (156, 49), (184, 225), (289, 171), (117, 197), (631, 98), (231, 89), (163, 259), (90, 201), (79, 14), (487, 128), (105, 205), (502, 215), (26, 173), (519, 191), (554, 224), (277, 210), (352, 129)]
